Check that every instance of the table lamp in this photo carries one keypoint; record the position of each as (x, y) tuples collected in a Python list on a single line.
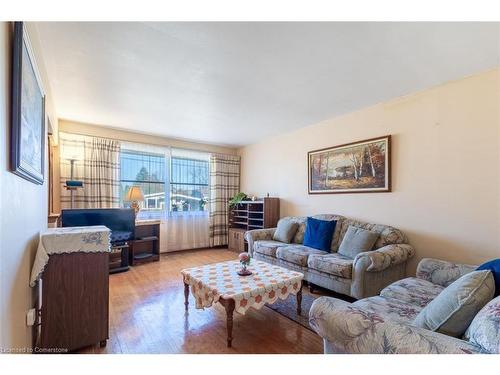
[(134, 195)]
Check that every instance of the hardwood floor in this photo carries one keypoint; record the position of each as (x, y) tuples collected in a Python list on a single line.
[(147, 315)]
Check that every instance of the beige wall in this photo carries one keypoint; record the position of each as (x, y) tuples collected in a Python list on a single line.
[(23, 210), (445, 166), (123, 135)]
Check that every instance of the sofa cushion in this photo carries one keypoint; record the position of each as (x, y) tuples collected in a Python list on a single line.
[(319, 233), (285, 231), (336, 233), (357, 240), (267, 247), (413, 291), (388, 309), (485, 328), (333, 264), (296, 254), (387, 234), (494, 267), (453, 309), (301, 229)]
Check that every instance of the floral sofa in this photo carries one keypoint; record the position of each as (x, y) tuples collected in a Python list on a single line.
[(382, 324), (365, 275)]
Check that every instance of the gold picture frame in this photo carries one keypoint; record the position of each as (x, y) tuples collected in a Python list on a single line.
[(357, 167)]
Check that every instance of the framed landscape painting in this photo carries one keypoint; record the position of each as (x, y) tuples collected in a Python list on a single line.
[(358, 167), (28, 111)]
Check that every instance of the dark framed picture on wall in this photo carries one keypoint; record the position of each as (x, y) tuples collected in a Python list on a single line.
[(358, 167), (28, 111)]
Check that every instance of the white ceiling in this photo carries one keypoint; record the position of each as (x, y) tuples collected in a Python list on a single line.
[(236, 83)]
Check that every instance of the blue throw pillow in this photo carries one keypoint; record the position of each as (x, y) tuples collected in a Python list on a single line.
[(319, 233), (494, 267)]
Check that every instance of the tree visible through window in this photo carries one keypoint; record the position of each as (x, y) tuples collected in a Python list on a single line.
[(148, 171), (187, 181)]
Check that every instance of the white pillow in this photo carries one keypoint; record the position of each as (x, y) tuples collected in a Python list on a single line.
[(452, 311), (285, 230)]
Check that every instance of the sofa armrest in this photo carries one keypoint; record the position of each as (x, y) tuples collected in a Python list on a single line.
[(349, 329), (441, 272), (374, 270), (380, 259), (258, 235)]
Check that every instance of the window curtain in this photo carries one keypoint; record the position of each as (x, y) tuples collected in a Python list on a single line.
[(224, 184), (178, 230), (184, 231), (189, 229), (97, 164)]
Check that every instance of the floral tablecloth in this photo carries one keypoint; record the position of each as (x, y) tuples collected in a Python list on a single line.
[(91, 239), (266, 284)]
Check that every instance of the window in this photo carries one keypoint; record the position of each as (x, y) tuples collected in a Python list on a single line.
[(185, 173), (146, 170), (188, 184)]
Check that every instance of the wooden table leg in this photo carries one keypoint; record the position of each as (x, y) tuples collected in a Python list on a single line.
[(299, 299), (186, 295), (229, 305)]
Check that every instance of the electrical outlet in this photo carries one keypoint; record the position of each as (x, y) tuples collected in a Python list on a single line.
[(31, 317)]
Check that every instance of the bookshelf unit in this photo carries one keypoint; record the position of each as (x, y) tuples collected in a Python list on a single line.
[(250, 215)]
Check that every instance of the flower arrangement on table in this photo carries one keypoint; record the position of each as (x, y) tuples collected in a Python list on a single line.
[(245, 262)]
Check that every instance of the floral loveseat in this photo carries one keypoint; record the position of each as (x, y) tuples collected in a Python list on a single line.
[(382, 324), (365, 275)]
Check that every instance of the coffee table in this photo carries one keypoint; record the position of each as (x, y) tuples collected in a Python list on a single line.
[(219, 282)]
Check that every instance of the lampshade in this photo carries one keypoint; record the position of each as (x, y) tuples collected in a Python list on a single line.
[(71, 152), (134, 193)]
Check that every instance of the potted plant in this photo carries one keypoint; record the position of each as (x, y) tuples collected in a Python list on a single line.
[(203, 203), (237, 199)]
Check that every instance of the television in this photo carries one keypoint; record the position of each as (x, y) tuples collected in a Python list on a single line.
[(121, 221)]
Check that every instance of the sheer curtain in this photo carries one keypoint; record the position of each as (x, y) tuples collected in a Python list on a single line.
[(175, 193), (189, 181)]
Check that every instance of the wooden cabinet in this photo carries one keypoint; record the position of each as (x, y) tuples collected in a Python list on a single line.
[(250, 215), (75, 298)]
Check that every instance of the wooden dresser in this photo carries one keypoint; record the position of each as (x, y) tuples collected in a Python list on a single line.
[(75, 295), (249, 215), (71, 274)]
